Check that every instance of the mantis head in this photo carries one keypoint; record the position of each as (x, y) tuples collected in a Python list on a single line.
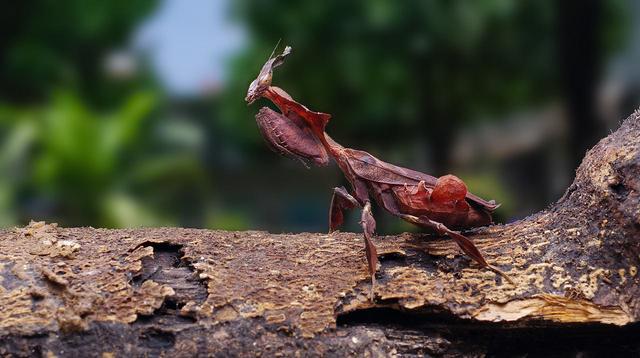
[(258, 87), (290, 133)]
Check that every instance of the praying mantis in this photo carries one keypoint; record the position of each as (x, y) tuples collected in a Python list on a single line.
[(441, 205)]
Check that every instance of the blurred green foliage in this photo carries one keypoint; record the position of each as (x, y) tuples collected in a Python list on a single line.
[(64, 155), (417, 68), (69, 163), (46, 44), (408, 69), (81, 148)]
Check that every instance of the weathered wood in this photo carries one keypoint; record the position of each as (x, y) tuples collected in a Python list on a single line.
[(85, 291)]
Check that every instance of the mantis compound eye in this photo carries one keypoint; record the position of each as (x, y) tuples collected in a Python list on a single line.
[(265, 80)]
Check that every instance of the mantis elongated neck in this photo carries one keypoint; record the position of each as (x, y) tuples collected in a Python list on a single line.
[(335, 150)]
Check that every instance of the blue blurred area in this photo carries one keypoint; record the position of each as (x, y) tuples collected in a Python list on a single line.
[(131, 113)]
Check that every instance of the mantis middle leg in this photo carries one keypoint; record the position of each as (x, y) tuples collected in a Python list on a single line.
[(342, 200)]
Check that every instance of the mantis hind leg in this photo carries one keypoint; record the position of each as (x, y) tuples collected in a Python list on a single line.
[(465, 244)]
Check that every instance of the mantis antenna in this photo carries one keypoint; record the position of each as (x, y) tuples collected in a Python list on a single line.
[(275, 48)]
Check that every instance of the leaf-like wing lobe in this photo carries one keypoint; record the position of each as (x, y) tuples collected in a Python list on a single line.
[(289, 137), (373, 169), (316, 120)]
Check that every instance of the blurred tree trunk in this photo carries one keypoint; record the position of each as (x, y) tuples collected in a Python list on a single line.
[(186, 292), (580, 60), (440, 136)]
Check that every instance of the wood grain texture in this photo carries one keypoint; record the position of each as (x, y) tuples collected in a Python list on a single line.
[(86, 291)]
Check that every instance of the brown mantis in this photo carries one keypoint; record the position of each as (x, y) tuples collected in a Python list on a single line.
[(438, 204)]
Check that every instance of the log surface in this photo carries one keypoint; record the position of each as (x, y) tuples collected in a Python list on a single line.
[(86, 291)]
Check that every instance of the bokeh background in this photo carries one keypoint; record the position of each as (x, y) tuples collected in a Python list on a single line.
[(127, 113)]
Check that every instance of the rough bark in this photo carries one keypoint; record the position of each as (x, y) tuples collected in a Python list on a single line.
[(86, 291)]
